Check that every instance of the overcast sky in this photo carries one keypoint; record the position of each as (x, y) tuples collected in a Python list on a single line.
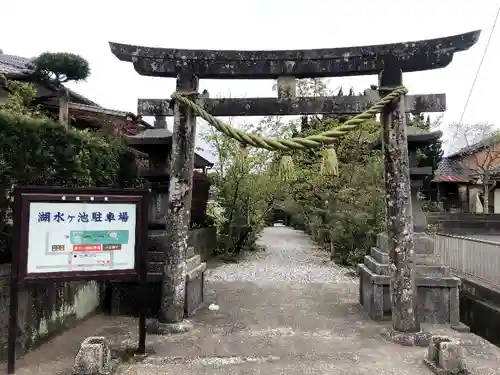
[(30, 27)]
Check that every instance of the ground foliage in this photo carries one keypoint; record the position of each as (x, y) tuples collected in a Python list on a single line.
[(246, 183), (343, 213)]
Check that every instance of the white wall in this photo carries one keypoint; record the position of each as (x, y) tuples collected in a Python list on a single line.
[(496, 201)]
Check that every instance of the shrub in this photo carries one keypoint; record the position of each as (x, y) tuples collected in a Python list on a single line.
[(246, 187), (341, 213), (42, 152), (61, 67)]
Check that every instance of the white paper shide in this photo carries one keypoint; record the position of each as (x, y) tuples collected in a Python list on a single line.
[(76, 237)]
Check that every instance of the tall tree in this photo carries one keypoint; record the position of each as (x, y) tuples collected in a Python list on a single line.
[(430, 155)]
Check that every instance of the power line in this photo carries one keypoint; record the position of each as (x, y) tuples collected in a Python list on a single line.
[(480, 66)]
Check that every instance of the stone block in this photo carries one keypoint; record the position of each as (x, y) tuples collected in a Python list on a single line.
[(195, 281), (379, 256), (204, 241), (190, 252), (93, 357), (445, 356), (423, 246), (437, 288), (192, 262), (154, 327), (374, 293), (437, 294), (421, 270), (421, 338)]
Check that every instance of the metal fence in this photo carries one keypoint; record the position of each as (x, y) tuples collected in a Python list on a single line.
[(470, 256)]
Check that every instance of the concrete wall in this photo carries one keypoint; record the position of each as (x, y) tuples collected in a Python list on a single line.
[(496, 201), (465, 223), (44, 310), (204, 241), (480, 308)]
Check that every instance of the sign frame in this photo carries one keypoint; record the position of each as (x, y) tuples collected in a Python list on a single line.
[(23, 196)]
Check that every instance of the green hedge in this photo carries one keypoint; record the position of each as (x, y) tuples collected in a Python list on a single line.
[(42, 152)]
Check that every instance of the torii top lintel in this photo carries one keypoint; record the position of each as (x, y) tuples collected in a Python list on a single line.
[(333, 62)]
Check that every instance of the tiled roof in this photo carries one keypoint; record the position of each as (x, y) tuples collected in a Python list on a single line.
[(11, 65), (95, 112), (102, 111), (416, 131), (451, 170), (415, 136), (159, 134), (134, 123), (467, 150), (162, 137)]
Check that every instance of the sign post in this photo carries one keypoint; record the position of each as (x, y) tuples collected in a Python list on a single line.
[(77, 234)]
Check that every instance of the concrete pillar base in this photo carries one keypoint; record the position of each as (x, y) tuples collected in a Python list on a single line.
[(154, 327)]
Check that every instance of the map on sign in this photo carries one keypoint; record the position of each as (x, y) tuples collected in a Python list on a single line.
[(66, 237)]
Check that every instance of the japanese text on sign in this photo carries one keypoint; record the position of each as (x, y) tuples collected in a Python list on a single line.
[(83, 217)]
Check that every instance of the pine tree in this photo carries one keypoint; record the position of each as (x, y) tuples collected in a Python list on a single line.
[(430, 155)]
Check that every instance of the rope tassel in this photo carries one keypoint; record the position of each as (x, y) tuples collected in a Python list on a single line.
[(286, 167), (329, 162), (241, 157)]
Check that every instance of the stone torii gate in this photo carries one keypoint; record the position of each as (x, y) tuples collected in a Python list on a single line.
[(387, 61)]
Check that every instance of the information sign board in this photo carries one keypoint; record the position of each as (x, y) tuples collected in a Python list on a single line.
[(66, 234), (80, 236)]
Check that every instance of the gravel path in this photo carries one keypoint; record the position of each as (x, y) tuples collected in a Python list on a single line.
[(289, 310), (290, 257)]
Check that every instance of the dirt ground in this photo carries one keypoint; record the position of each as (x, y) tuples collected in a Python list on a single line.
[(288, 310)]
